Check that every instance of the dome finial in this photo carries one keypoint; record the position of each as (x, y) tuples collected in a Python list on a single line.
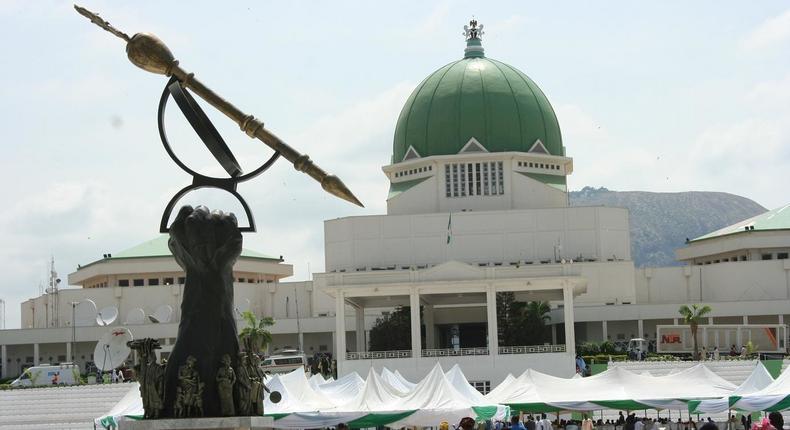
[(473, 34)]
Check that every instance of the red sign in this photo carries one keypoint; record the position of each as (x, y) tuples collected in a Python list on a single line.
[(670, 338)]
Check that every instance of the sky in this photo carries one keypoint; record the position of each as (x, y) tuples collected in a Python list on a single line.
[(652, 96)]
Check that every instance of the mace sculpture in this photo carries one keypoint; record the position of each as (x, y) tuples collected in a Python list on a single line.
[(206, 374)]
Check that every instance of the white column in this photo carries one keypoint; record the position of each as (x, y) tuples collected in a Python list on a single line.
[(781, 319), (605, 330), (4, 358), (360, 329), (340, 326), (427, 313), (68, 352), (640, 328), (675, 321), (746, 319), (567, 312), (35, 354), (493, 331), (414, 303), (554, 334)]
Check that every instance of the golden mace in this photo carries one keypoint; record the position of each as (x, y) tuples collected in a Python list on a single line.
[(148, 52)]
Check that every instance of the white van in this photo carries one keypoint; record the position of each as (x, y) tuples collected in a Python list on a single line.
[(287, 361), (47, 374)]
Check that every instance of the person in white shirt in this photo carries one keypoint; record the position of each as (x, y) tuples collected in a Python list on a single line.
[(639, 425), (545, 423)]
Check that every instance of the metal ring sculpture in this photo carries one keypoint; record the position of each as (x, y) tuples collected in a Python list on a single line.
[(215, 144)]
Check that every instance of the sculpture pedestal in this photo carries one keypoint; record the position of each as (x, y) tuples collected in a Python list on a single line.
[(223, 423)]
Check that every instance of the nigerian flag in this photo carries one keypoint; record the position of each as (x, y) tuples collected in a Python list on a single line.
[(450, 228)]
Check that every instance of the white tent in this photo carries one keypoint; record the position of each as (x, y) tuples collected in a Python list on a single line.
[(615, 388), (458, 380), (757, 380), (379, 402), (775, 397), (129, 407), (397, 381)]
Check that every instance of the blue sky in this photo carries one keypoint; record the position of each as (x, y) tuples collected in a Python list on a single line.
[(660, 96)]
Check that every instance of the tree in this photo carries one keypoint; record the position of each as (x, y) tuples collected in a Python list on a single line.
[(392, 332), (256, 335), (521, 323), (692, 315)]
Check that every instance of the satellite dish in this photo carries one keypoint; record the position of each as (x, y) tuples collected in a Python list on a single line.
[(85, 313), (161, 315), (111, 350), (135, 316), (107, 316), (275, 397)]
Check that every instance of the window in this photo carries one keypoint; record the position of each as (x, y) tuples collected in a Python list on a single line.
[(168, 281), (153, 281), (323, 348), (743, 258), (123, 282), (482, 386), (138, 282), (768, 256), (447, 180), (781, 256), (182, 280), (474, 179)]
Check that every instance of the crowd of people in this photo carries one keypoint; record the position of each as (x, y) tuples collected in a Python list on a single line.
[(774, 421)]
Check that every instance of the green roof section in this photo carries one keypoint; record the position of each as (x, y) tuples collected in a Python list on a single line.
[(556, 181), (400, 187), (157, 247), (777, 219), (476, 97)]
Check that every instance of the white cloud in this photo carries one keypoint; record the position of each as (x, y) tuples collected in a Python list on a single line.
[(771, 95), (772, 31)]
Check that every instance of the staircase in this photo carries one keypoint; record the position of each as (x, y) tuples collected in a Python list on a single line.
[(64, 408)]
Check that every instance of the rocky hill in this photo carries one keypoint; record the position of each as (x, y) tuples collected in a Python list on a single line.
[(661, 222)]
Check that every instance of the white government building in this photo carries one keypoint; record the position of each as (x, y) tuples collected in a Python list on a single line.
[(478, 204)]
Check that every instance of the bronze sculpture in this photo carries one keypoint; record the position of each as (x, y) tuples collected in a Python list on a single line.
[(206, 245), (243, 387), (150, 375), (189, 393), (226, 379), (151, 54)]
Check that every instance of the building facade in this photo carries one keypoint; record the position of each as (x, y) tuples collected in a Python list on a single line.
[(478, 206)]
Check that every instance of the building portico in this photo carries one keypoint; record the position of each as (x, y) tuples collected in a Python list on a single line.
[(449, 295)]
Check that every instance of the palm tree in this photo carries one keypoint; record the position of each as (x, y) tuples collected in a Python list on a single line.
[(256, 335), (535, 316), (692, 315)]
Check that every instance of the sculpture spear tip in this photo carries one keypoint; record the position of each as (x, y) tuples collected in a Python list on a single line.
[(96, 19), (333, 185)]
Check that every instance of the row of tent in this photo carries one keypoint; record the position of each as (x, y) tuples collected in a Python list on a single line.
[(386, 398)]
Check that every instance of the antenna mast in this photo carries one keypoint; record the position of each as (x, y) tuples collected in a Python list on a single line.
[(298, 325)]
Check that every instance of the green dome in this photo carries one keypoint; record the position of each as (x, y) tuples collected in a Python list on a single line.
[(476, 97)]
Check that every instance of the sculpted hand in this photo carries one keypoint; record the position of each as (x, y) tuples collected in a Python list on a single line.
[(205, 241)]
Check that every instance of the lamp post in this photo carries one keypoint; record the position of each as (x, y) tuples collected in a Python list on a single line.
[(73, 327)]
